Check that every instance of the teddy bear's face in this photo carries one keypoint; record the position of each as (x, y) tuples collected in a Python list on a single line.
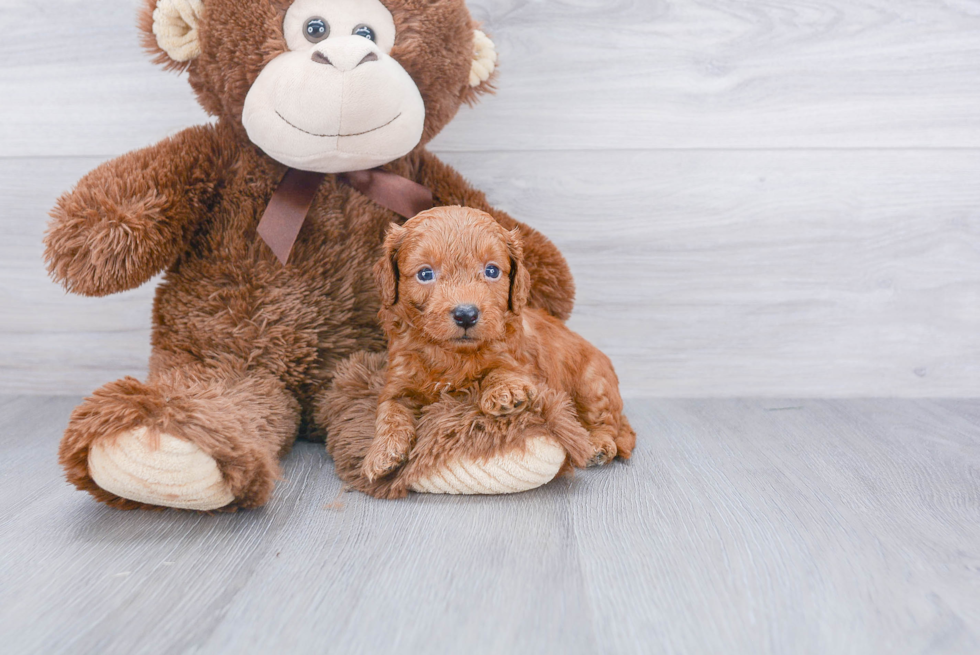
[(326, 85), (335, 101)]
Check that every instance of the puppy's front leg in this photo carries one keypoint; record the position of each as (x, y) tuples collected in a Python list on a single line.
[(393, 440), (506, 392)]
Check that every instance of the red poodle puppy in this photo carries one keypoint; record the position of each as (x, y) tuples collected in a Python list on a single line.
[(454, 293)]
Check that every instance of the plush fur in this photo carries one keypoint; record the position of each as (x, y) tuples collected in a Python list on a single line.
[(242, 345), (487, 374), (453, 428)]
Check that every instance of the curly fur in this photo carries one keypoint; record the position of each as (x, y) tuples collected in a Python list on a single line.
[(454, 390), (451, 428)]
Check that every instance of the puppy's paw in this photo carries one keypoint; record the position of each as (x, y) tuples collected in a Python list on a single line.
[(384, 458), (381, 463), (605, 449), (506, 398)]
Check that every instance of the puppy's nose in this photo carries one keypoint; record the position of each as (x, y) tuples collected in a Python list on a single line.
[(466, 316)]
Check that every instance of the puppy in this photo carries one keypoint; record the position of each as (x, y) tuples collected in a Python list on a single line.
[(454, 293)]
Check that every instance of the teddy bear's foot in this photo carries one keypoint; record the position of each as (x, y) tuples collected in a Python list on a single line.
[(193, 437), (163, 471), (508, 473)]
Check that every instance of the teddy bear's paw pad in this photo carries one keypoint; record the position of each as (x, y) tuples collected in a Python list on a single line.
[(502, 474), (170, 473)]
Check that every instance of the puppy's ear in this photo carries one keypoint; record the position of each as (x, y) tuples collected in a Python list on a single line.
[(520, 279), (386, 270)]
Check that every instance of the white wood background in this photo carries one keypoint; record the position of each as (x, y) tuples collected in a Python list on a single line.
[(757, 198)]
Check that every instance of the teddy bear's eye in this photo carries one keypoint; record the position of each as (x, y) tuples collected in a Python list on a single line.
[(316, 30), (492, 271), (365, 31), (426, 275)]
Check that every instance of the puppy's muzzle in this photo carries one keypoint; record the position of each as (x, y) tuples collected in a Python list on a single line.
[(466, 316)]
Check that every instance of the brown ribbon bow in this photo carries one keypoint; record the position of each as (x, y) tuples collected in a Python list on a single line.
[(286, 212)]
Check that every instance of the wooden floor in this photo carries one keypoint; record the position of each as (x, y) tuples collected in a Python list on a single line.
[(739, 527)]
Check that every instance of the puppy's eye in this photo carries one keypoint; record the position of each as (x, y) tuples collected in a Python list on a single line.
[(365, 31), (492, 271), (316, 30), (426, 275)]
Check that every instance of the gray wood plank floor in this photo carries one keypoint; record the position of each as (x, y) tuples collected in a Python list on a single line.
[(739, 527)]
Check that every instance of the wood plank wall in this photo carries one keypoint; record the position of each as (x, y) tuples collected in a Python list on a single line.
[(757, 198)]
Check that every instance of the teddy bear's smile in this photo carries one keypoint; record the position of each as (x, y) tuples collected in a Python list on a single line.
[(375, 129)]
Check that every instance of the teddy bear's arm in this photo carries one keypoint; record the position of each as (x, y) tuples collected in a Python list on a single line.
[(132, 217), (552, 286)]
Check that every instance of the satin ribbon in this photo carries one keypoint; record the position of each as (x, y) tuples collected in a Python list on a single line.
[(284, 216)]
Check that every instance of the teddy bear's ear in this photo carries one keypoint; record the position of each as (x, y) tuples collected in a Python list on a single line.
[(171, 30), (483, 66), (484, 59)]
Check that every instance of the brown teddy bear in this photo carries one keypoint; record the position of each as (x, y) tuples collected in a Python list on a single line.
[(267, 223)]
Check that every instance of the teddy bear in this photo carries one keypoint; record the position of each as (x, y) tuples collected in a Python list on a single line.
[(266, 223)]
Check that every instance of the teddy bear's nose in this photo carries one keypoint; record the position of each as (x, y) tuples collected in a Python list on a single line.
[(466, 316), (345, 54), (321, 58)]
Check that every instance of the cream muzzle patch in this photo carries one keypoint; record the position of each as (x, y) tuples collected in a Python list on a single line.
[(335, 101)]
